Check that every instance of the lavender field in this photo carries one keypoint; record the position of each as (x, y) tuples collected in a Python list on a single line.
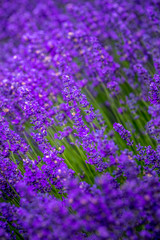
[(79, 120)]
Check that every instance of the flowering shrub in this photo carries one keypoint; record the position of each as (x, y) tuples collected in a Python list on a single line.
[(79, 120)]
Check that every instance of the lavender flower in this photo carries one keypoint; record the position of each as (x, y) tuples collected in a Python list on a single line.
[(125, 134)]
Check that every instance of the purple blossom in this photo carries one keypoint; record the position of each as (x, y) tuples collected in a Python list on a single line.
[(125, 134)]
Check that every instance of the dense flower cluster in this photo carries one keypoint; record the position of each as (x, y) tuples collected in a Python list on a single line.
[(79, 120), (125, 134)]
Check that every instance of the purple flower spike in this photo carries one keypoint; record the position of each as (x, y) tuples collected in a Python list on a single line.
[(125, 134)]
